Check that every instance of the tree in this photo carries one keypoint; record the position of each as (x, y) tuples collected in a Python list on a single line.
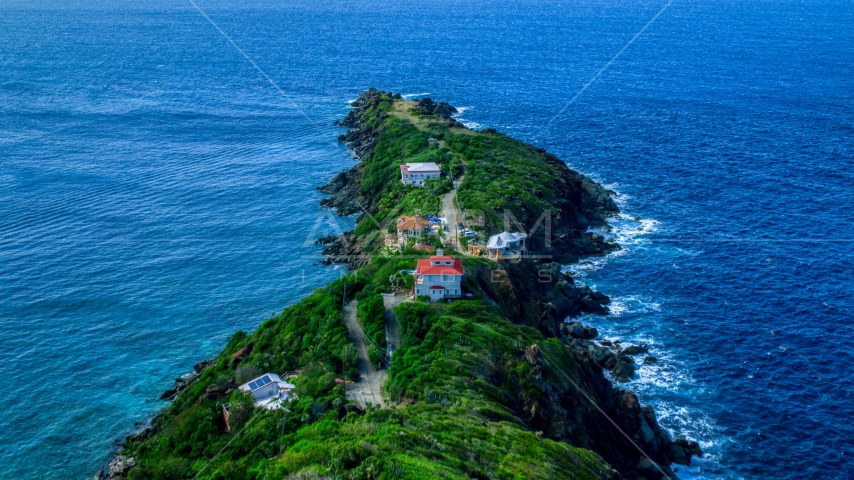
[(349, 357), (240, 408)]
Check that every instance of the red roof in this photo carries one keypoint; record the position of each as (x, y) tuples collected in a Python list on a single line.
[(404, 168), (425, 247), (437, 287), (425, 268)]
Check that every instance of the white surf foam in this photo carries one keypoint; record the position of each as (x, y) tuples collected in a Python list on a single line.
[(584, 267), (410, 95), (631, 320), (657, 383), (626, 230), (468, 123)]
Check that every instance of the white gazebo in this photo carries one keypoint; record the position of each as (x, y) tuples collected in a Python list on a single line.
[(506, 246)]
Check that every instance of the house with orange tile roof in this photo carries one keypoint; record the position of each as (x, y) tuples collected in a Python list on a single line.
[(408, 227)]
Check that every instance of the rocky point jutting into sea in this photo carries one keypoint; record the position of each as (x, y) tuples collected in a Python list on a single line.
[(496, 385)]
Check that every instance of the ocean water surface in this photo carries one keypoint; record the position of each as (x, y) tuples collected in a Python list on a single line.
[(157, 193)]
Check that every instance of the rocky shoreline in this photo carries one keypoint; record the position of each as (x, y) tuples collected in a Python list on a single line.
[(523, 296), (534, 293), (121, 464)]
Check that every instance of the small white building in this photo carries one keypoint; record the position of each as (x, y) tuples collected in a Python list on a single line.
[(268, 390), (416, 173), (439, 277), (506, 246)]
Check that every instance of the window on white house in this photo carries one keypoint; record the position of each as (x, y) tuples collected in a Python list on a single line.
[(444, 278)]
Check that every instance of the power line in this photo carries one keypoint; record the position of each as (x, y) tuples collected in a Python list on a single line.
[(264, 74), (599, 409), (602, 70)]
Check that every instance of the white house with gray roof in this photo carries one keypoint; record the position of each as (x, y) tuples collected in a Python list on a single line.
[(416, 174)]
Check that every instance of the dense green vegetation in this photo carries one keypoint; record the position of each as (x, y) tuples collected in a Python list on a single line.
[(401, 142), (452, 378), (371, 315), (504, 174), (458, 383), (501, 174)]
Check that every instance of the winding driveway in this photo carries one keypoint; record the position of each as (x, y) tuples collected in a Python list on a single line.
[(369, 387), (452, 214), (392, 329)]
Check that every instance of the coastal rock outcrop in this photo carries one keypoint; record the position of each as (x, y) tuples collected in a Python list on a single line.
[(624, 368), (682, 449), (562, 410), (201, 366), (547, 385), (440, 109), (605, 353), (120, 466), (635, 349), (577, 330), (344, 249), (185, 380), (539, 295), (345, 198), (579, 202), (345, 188), (241, 354)]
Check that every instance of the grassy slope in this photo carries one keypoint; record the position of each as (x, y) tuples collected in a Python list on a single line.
[(501, 173), (453, 419), (458, 376)]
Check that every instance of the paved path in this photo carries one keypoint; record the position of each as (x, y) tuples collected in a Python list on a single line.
[(369, 387), (392, 328), (452, 214)]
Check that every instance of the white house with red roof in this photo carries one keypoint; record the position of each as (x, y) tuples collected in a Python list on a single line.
[(416, 173), (439, 277)]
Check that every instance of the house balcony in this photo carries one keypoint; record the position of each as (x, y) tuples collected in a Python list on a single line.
[(510, 256)]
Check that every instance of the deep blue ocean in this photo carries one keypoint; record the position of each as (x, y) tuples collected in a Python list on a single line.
[(157, 193)]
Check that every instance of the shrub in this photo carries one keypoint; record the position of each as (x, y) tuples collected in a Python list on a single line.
[(246, 372), (241, 406)]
